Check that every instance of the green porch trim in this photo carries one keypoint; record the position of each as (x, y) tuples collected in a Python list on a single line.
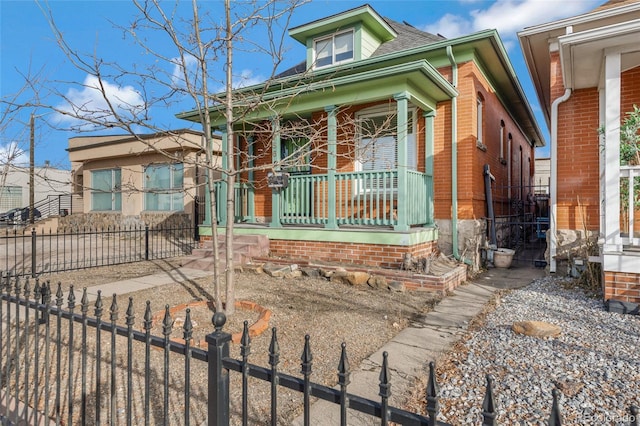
[(222, 216), (251, 213), (429, 137), (402, 105), (275, 160), (365, 236), (332, 139)]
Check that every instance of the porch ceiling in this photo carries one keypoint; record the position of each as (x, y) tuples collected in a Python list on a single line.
[(583, 54)]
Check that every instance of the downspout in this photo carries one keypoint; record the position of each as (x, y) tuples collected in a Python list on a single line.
[(454, 160), (553, 189)]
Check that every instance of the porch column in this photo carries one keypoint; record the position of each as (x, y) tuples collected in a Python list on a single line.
[(251, 207), (402, 101), (612, 241), (275, 160), (429, 118), (221, 208), (332, 152)]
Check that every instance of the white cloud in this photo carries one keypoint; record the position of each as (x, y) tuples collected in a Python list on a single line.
[(247, 79), (90, 103), (13, 154), (507, 16), (179, 65)]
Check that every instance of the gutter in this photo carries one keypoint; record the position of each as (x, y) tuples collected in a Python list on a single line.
[(454, 159), (553, 240)]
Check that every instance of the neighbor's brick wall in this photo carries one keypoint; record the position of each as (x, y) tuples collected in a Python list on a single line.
[(374, 255), (622, 286), (578, 205)]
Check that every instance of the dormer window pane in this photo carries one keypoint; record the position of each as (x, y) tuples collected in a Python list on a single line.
[(334, 49), (324, 52), (344, 47)]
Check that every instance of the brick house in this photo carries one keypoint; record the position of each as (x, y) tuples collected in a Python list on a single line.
[(383, 133), (586, 71)]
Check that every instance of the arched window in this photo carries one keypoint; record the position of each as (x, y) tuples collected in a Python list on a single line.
[(502, 129), (480, 122)]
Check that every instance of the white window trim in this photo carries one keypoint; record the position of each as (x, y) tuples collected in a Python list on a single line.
[(332, 37), (377, 111)]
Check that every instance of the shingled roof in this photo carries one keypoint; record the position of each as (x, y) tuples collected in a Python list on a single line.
[(408, 38)]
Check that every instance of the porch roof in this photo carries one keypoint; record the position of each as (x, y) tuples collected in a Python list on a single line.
[(350, 85), (537, 41), (412, 70)]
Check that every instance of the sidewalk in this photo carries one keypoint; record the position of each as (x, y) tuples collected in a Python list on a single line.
[(425, 340)]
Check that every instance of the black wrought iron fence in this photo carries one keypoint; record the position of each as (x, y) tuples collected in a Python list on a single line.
[(32, 253), (62, 365)]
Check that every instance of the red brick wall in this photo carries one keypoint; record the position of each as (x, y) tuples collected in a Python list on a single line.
[(471, 159), (622, 286), (375, 255)]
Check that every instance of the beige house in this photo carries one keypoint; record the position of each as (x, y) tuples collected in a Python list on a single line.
[(126, 180)]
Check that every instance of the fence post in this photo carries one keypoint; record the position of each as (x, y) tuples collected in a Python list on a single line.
[(146, 242), (218, 396), (33, 252)]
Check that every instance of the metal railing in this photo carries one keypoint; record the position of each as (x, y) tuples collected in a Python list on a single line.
[(35, 253), (630, 205), (53, 366), (54, 205)]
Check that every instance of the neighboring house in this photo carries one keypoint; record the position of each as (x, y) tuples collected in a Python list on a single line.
[(134, 180), (48, 183), (383, 132), (542, 175), (586, 71)]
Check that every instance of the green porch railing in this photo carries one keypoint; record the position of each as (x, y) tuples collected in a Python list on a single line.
[(243, 202), (362, 199)]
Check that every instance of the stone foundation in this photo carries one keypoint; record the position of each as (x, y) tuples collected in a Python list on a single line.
[(571, 245), (472, 237), (81, 221)]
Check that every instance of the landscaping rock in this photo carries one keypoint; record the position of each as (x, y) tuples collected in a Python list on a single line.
[(378, 281), (276, 271), (339, 277), (256, 269), (357, 278), (397, 286), (296, 273), (536, 328), (311, 272)]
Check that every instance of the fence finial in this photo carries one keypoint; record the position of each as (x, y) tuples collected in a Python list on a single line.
[(219, 319), (634, 415), (344, 367), (555, 419), (433, 393), (488, 405)]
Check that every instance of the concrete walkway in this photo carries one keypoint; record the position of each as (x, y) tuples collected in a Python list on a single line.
[(425, 340)]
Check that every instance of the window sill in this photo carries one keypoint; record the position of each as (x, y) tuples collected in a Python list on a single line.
[(481, 146)]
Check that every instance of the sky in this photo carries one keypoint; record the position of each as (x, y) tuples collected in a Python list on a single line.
[(29, 52)]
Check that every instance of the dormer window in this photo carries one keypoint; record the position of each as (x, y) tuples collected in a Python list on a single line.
[(334, 49)]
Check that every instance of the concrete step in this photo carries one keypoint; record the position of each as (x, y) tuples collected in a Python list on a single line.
[(245, 247)]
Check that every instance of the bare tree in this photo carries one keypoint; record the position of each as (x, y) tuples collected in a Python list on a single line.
[(185, 49)]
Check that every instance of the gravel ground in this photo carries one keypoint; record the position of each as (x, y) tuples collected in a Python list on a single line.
[(594, 363)]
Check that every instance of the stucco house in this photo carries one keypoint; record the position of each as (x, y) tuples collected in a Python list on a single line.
[(374, 146), (586, 71), (130, 180), (49, 184)]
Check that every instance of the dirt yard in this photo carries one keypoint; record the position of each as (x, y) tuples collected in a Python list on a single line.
[(330, 313)]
